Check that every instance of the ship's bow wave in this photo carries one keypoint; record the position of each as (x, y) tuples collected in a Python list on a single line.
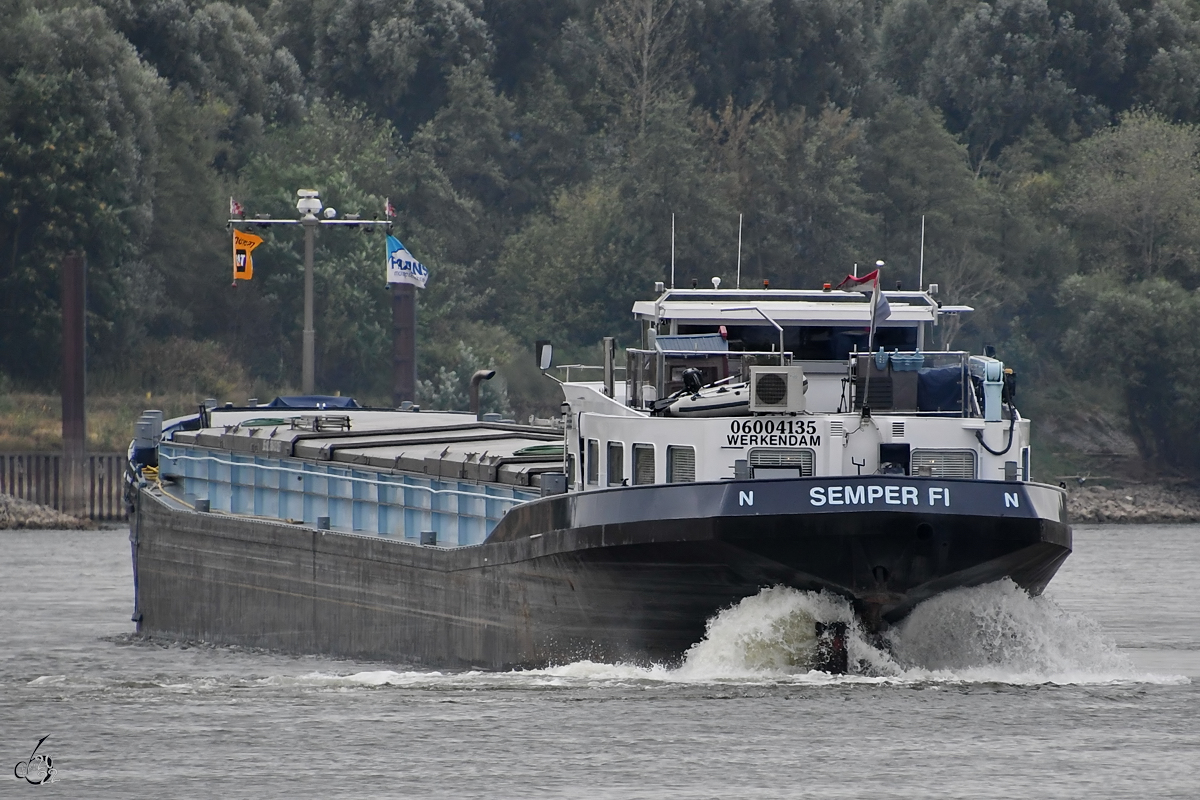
[(988, 634)]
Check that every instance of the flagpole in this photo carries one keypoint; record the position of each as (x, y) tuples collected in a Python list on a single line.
[(874, 303), (672, 251), (921, 273), (877, 297), (876, 291), (739, 261), (870, 344)]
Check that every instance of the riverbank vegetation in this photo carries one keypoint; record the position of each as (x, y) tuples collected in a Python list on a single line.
[(536, 150)]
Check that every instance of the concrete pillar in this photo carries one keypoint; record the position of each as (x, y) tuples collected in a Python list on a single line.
[(404, 343)]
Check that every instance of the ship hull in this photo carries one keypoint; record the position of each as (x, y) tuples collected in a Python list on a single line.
[(628, 574)]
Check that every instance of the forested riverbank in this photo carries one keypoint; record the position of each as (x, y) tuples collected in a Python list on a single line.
[(535, 151)]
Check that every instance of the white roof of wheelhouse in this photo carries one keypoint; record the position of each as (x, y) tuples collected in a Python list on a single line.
[(788, 306)]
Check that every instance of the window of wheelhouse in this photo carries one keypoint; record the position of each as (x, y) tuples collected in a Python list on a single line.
[(593, 462), (643, 464), (896, 338), (813, 342), (570, 469), (681, 464), (616, 463)]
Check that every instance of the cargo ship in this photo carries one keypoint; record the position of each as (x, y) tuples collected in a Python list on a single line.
[(751, 439)]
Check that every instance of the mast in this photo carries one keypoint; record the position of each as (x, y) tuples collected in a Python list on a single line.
[(921, 269), (739, 258)]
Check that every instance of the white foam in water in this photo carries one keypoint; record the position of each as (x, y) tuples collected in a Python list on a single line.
[(363, 679), (998, 632), (992, 634), (769, 634)]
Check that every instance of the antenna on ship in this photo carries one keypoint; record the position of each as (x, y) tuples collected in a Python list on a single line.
[(921, 272), (672, 251), (739, 261)]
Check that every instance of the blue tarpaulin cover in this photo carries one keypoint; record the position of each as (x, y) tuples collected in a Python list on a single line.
[(939, 389), (315, 401)]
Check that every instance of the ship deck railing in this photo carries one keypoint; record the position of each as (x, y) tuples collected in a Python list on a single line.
[(354, 500)]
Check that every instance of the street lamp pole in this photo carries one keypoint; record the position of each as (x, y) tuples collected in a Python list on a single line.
[(309, 205), (308, 370)]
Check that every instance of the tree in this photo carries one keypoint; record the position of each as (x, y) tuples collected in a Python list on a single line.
[(216, 53), (396, 58), (909, 31), (471, 140), (575, 271), (572, 272), (913, 168), (525, 34), (78, 149), (994, 75), (784, 53), (1131, 335), (807, 219), (643, 57), (1133, 192), (1161, 59)]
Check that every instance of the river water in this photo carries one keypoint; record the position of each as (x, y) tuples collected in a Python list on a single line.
[(1092, 691)]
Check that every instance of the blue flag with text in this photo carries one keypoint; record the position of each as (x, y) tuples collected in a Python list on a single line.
[(402, 267)]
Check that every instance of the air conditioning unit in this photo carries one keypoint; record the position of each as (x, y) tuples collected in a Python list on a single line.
[(777, 390)]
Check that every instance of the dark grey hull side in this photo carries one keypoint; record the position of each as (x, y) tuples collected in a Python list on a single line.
[(629, 574)]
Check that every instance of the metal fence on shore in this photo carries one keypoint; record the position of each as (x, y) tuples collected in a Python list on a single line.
[(38, 478)]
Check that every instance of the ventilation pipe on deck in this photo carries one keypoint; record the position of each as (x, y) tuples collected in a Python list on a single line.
[(610, 357), (476, 379)]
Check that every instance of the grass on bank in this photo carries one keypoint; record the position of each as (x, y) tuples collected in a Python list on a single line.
[(32, 422), (174, 376)]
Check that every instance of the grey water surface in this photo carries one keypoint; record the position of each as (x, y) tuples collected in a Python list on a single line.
[(1088, 692)]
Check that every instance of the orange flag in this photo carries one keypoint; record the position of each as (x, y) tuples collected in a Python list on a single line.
[(243, 245)]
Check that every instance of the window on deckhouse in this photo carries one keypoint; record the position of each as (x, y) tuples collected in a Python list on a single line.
[(593, 462), (643, 464), (616, 463), (681, 464)]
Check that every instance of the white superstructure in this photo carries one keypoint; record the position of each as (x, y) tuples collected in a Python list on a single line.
[(777, 387)]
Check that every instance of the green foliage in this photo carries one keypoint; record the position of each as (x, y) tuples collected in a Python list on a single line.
[(785, 53), (1131, 334), (807, 213), (201, 368), (1134, 192), (449, 387), (77, 157), (394, 57), (536, 152), (215, 52), (643, 61), (994, 75), (572, 272)]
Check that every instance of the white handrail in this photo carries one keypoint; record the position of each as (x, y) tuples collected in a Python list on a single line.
[(352, 479)]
